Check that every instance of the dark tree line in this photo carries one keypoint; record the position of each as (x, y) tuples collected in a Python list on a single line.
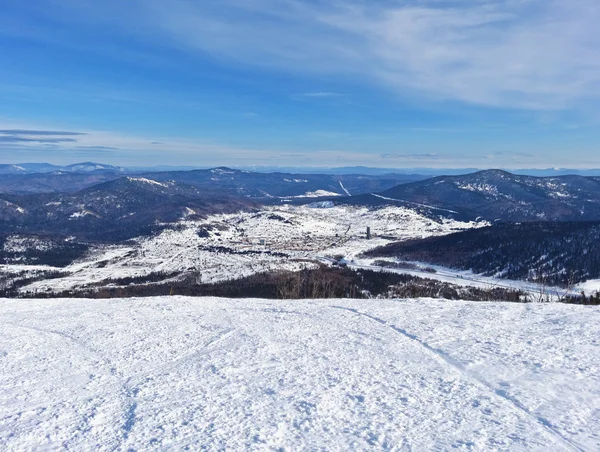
[(228, 250), (584, 299), (323, 282)]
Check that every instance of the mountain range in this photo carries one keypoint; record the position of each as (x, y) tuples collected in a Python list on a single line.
[(109, 205), (29, 168), (226, 180), (84, 167)]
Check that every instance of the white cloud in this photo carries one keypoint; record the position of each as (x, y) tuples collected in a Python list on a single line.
[(534, 54), (527, 54)]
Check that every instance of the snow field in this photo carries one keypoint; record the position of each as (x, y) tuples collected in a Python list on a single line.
[(589, 287), (204, 373)]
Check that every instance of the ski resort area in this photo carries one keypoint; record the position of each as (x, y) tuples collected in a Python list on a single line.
[(231, 246), (178, 373), (300, 226)]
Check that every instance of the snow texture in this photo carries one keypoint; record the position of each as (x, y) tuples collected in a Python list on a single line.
[(315, 194), (147, 181), (216, 374)]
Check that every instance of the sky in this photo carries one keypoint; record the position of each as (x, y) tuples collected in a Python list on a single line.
[(379, 83)]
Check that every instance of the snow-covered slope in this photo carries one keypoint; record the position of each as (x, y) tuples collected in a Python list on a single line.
[(217, 374), (230, 246)]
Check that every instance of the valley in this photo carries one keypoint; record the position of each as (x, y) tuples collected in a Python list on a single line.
[(229, 246), (204, 227), (287, 225)]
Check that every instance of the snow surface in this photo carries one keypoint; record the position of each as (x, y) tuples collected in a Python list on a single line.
[(215, 374), (12, 206), (147, 181), (589, 287), (17, 243), (344, 188)]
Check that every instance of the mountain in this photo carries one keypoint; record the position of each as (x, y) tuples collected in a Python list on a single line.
[(90, 167), (38, 167), (428, 172), (497, 195), (549, 172), (114, 210), (352, 170)]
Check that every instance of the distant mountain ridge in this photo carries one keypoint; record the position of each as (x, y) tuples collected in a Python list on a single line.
[(54, 182), (273, 186), (33, 168), (423, 172), (497, 195)]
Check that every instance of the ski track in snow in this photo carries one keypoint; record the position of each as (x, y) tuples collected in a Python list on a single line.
[(413, 203), (452, 362), (205, 373), (344, 188)]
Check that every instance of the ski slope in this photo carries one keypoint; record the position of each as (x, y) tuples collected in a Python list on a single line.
[(216, 374)]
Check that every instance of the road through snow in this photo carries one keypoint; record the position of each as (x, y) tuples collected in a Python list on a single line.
[(176, 373)]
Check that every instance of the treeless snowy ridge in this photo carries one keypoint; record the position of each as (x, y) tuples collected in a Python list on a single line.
[(176, 373)]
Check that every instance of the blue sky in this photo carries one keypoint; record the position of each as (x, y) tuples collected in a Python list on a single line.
[(398, 84)]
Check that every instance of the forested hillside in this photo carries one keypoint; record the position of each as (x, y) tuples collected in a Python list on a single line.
[(552, 253), (496, 195)]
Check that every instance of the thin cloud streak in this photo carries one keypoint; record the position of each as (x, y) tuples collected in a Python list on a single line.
[(38, 132), (120, 149), (16, 139), (98, 148)]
